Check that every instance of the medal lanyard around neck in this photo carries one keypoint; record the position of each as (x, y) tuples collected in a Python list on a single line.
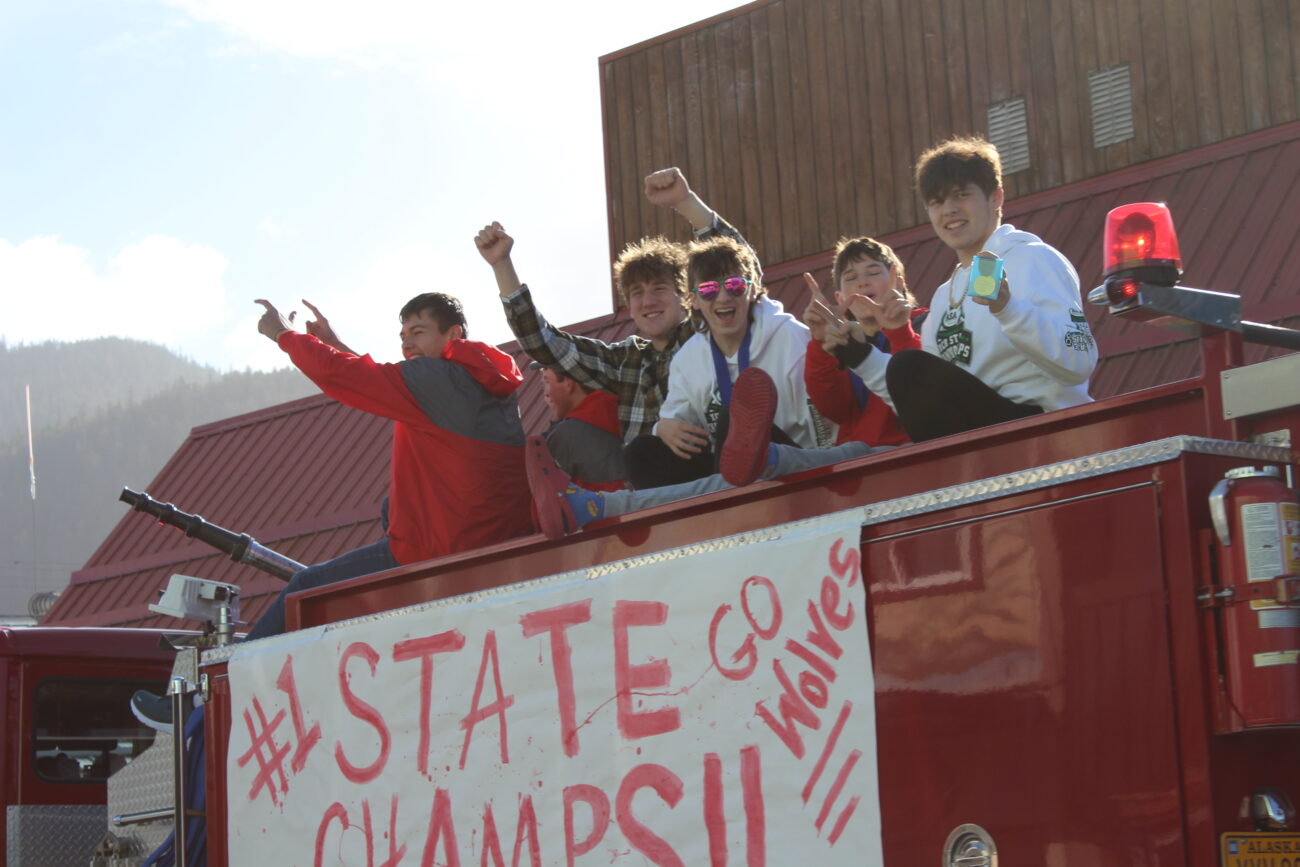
[(720, 365)]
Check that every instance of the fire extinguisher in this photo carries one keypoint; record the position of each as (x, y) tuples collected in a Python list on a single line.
[(1257, 520)]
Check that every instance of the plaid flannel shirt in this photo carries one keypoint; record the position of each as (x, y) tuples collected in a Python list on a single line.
[(632, 369)]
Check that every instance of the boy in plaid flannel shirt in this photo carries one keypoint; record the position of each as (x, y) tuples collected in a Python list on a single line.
[(651, 280)]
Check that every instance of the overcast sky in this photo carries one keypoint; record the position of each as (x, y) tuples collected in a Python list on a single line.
[(164, 162)]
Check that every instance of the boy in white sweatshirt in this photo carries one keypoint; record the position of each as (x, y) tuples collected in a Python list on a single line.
[(743, 328), (735, 390), (984, 360)]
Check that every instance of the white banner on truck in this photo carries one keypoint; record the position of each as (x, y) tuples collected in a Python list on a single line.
[(709, 705)]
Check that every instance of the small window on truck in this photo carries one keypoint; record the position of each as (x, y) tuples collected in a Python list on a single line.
[(83, 730)]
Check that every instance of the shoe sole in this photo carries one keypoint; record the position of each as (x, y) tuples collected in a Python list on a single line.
[(165, 728), (749, 432), (547, 482)]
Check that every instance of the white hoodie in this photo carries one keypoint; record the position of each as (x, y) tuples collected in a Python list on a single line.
[(1038, 350), (778, 345)]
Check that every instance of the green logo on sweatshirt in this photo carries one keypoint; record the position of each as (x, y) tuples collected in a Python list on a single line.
[(1079, 336), (953, 337)]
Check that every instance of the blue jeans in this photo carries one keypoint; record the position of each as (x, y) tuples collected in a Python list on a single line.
[(362, 561), (789, 459)]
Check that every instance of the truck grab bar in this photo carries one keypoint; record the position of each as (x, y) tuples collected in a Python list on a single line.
[(180, 821), (140, 818)]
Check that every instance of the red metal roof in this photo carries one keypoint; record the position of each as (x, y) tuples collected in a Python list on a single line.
[(306, 478)]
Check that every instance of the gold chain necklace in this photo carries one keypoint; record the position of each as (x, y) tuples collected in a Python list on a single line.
[(961, 297)]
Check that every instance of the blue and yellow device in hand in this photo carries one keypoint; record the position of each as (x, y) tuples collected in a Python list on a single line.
[(985, 277)]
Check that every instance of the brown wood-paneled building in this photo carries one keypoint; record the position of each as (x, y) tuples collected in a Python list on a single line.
[(800, 120)]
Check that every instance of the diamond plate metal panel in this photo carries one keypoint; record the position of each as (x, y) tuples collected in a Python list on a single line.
[(1066, 471), (145, 784), (53, 835)]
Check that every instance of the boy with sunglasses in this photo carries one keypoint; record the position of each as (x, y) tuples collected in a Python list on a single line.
[(710, 388), (741, 378), (650, 278)]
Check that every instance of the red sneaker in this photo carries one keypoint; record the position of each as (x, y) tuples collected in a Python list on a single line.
[(547, 482), (749, 432)]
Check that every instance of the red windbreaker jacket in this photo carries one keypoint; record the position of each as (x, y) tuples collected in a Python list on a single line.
[(457, 478)]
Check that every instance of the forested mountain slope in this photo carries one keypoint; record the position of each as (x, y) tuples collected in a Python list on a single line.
[(106, 413)]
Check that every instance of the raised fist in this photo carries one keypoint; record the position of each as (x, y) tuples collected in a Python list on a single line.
[(667, 187), (494, 245)]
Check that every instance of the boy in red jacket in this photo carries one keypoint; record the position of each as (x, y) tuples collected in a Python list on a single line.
[(457, 477), (869, 283)]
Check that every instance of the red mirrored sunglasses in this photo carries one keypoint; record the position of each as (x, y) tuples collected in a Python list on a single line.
[(735, 286)]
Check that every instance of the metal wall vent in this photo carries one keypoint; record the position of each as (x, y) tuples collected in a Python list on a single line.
[(1009, 133), (1111, 93)]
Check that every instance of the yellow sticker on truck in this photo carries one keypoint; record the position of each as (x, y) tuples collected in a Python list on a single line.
[(1259, 849), (1277, 657)]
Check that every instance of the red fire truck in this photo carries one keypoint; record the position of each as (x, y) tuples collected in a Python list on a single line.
[(66, 728), (1068, 640), (1081, 644)]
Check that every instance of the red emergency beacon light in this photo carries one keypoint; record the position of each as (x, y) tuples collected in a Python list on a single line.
[(1140, 246), (1141, 235)]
